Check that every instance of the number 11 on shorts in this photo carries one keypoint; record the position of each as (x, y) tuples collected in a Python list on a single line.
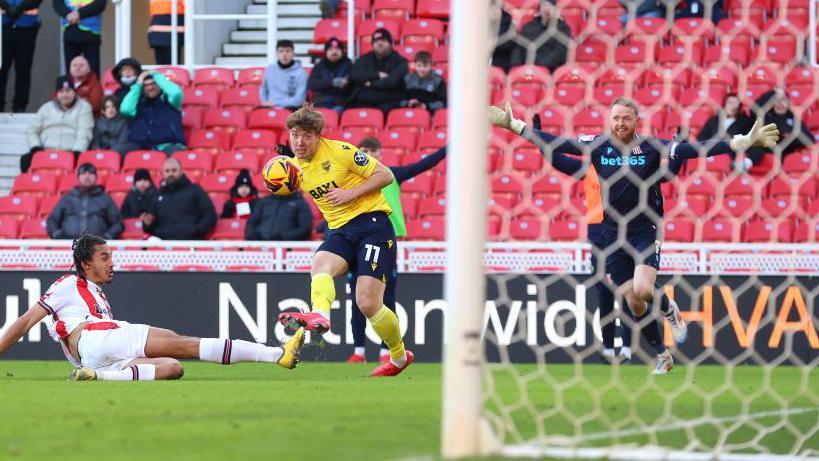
[(370, 249)]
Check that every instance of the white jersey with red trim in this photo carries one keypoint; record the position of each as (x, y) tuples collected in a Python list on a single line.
[(72, 300)]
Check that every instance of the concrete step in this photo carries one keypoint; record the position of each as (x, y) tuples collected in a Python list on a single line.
[(8, 118), (287, 9), (260, 36), (282, 23), (259, 61), (258, 49)]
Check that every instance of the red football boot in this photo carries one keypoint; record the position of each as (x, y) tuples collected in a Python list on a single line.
[(311, 321), (388, 369), (357, 358)]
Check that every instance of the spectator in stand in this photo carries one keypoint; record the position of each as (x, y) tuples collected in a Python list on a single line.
[(86, 84), (85, 209), (794, 135), (111, 129), (141, 198), (125, 72), (328, 8), (82, 30), (642, 9), (65, 123), (727, 122), (285, 81), (378, 76), (505, 46), (155, 105), (699, 9), (243, 197), (548, 36), (182, 210), (21, 22), (330, 79), (160, 30), (424, 88), (280, 218)]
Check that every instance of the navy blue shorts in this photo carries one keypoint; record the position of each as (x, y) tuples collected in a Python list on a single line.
[(642, 247), (367, 243)]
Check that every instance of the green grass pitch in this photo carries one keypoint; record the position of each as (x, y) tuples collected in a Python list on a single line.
[(324, 411)]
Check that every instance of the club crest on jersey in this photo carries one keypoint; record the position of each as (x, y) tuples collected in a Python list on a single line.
[(325, 166), (361, 158), (636, 150)]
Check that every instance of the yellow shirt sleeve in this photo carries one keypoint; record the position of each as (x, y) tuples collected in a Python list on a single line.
[(356, 161)]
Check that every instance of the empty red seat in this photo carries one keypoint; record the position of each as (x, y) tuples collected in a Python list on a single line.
[(738, 206), (214, 77), (566, 230), (151, 160), (250, 76), (788, 185), (742, 185), (229, 120), (52, 161), (66, 183), (47, 204), (417, 31), (736, 29), (402, 140), (371, 119), (192, 118), (246, 99), (526, 228), (438, 9), (259, 141), (229, 229), (637, 53), (217, 182), (33, 229), (527, 160), (719, 230), (432, 206), (421, 184), (693, 29), (432, 228), (590, 120), (232, 162), (432, 140), (326, 29), (132, 229), (35, 184), (106, 161), (799, 162), (529, 76), (176, 74), (409, 51), (269, 119), (679, 230), (679, 52), (414, 118), (767, 231), (205, 97), (9, 228), (119, 183), (591, 51), (352, 135), (701, 184), (18, 207), (195, 164), (209, 141), (737, 52), (775, 207), (779, 50), (398, 10), (409, 205)]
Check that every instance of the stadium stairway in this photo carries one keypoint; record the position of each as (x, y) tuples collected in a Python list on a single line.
[(13, 145), (247, 45)]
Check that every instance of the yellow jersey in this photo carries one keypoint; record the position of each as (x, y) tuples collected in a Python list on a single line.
[(340, 164)]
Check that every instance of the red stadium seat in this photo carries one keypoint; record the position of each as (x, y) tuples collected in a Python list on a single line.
[(527, 161), (432, 206), (738, 206), (439, 120), (589, 120), (552, 184), (743, 185), (214, 141), (66, 183), (799, 162), (106, 161), (218, 182), (438, 9), (432, 228), (779, 50), (370, 119), (229, 120), (776, 207), (119, 183), (760, 76), (677, 52), (719, 230), (736, 52), (432, 140), (790, 185), (34, 184), (766, 231), (693, 29), (634, 53), (229, 229), (218, 78), (418, 119), (192, 118), (9, 228), (606, 95), (398, 10), (730, 30), (352, 135), (714, 96), (176, 74), (132, 229), (701, 184), (553, 120), (529, 77), (269, 119), (328, 28), (421, 184), (52, 161), (679, 230), (246, 99), (417, 31), (331, 118), (409, 205), (33, 229), (591, 51), (250, 77), (47, 204), (208, 98), (259, 141), (18, 207), (566, 230), (362, 9), (605, 26), (526, 229), (409, 51), (725, 76), (195, 164), (151, 160), (440, 55), (507, 184), (403, 140), (231, 162)]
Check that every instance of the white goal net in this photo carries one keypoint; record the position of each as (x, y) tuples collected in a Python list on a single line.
[(532, 367)]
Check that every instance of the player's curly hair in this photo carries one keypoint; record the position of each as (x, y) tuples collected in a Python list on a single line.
[(306, 118), (83, 250)]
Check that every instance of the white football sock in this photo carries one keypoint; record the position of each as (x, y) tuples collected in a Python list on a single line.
[(383, 352), (359, 351), (141, 372), (625, 351), (608, 352), (226, 351)]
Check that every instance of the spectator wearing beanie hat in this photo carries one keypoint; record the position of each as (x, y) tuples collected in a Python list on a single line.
[(378, 76), (65, 123), (85, 209), (243, 197), (141, 197), (330, 79)]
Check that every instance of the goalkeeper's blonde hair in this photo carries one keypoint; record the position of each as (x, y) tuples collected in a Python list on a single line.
[(307, 119), (627, 102)]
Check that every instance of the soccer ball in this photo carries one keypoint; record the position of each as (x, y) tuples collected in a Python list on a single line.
[(282, 175)]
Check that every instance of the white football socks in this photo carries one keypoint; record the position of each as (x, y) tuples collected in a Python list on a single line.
[(226, 351), (141, 372)]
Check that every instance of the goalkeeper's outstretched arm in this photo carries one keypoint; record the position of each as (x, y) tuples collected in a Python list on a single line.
[(504, 119), (759, 136)]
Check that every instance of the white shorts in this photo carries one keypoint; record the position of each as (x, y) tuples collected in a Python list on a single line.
[(113, 349)]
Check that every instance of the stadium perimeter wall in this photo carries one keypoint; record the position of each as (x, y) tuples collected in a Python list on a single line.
[(541, 316)]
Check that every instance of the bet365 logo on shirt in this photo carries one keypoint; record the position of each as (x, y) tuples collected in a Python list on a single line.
[(632, 160)]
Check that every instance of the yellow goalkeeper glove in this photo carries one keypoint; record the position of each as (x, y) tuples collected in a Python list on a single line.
[(504, 119), (759, 136)]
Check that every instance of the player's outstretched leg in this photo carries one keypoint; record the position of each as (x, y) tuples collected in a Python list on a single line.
[(646, 288), (370, 298), (326, 266), (649, 327)]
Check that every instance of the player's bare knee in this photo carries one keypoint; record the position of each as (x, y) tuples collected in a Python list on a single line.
[(644, 293), (368, 305)]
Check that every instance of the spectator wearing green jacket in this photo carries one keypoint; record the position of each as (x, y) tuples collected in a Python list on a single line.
[(155, 105)]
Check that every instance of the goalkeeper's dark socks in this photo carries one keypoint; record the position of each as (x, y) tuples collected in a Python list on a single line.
[(651, 331), (665, 304)]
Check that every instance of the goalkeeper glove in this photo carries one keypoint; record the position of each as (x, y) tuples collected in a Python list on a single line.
[(759, 136), (504, 119)]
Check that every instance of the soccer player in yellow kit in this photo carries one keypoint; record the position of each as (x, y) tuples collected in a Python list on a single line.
[(346, 184)]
